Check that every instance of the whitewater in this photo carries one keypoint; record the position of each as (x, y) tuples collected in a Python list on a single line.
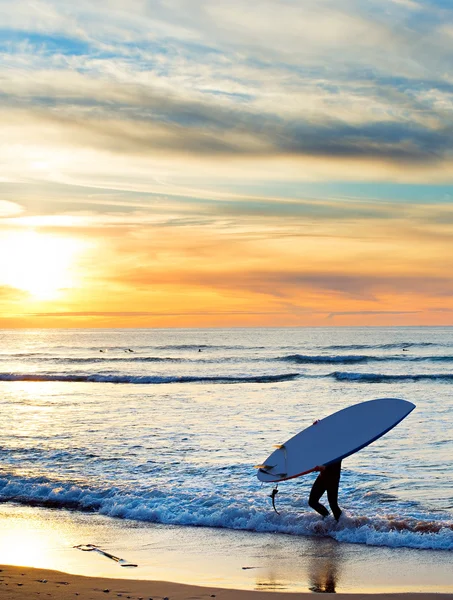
[(165, 426)]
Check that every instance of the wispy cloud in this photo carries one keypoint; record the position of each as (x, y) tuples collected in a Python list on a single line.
[(207, 81), (130, 119), (137, 314), (265, 157), (372, 312), (285, 284)]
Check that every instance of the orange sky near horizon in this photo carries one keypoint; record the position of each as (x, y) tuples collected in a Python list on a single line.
[(246, 271), (179, 166)]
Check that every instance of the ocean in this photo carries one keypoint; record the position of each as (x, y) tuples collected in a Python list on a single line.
[(165, 426)]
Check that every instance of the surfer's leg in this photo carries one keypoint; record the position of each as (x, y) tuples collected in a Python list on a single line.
[(317, 491), (332, 497)]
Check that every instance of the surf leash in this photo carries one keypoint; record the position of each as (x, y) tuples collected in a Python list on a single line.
[(272, 495), (92, 548)]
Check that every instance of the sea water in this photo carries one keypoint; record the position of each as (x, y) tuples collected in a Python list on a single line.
[(165, 426)]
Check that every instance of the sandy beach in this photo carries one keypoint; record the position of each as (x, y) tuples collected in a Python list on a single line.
[(25, 583), (209, 557)]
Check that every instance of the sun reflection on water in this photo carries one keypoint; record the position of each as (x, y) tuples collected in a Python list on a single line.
[(30, 544)]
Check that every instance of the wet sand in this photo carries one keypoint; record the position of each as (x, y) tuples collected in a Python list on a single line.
[(212, 558), (25, 583)]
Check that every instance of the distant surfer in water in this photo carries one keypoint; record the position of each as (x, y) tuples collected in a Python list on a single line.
[(328, 481)]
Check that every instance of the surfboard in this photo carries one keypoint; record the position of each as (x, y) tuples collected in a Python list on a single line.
[(333, 438)]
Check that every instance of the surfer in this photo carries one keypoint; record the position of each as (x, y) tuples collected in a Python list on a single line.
[(328, 481)]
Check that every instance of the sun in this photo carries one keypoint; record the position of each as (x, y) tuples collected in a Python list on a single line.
[(37, 263)]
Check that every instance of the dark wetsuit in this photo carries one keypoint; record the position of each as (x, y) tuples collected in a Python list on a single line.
[(328, 481)]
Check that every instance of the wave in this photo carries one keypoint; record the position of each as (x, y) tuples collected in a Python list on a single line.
[(220, 379), (392, 346), (146, 379), (383, 378), (351, 359), (7, 355), (131, 348), (438, 358), (206, 347), (211, 509), (116, 359), (307, 359), (300, 359)]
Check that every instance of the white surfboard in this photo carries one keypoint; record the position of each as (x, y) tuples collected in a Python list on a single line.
[(333, 438)]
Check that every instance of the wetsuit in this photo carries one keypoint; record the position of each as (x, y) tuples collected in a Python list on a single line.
[(328, 481)]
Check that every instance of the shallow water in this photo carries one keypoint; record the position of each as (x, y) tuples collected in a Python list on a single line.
[(164, 426), (42, 537)]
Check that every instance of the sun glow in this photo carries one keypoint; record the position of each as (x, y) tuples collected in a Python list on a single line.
[(39, 264)]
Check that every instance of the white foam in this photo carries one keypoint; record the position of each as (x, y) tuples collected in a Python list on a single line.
[(216, 510)]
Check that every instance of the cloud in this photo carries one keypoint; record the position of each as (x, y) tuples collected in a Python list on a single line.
[(332, 315), (136, 314), (206, 131), (9, 209), (220, 149), (203, 81), (9, 294), (284, 283)]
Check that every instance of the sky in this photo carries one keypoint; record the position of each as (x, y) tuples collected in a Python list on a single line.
[(223, 163)]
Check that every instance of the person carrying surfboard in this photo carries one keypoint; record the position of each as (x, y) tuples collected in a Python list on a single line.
[(327, 442), (328, 481)]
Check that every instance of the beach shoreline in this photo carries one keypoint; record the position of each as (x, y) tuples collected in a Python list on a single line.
[(211, 557), (25, 583), (158, 469)]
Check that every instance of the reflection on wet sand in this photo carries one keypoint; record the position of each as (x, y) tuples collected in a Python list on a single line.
[(270, 585), (318, 567), (269, 575), (324, 567)]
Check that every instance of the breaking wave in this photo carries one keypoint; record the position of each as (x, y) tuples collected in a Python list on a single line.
[(211, 509), (382, 378), (146, 379), (392, 346), (307, 359), (301, 359), (345, 359)]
